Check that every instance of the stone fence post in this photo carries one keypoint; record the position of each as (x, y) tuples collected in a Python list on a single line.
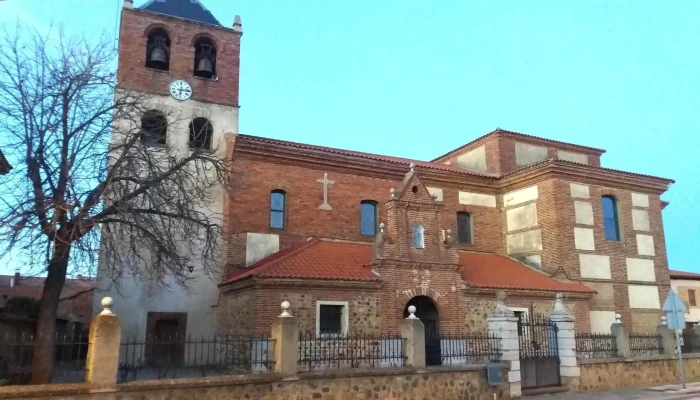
[(566, 339), (286, 336), (668, 338), (504, 324), (103, 349), (622, 337), (413, 332)]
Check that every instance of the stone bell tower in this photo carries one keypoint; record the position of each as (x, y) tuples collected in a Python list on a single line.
[(185, 64), (415, 258), (178, 52)]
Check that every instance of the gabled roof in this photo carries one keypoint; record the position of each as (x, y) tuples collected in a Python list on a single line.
[(675, 274), (488, 270), (192, 10), (331, 260)]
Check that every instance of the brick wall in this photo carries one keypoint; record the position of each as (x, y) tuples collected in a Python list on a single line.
[(132, 73)]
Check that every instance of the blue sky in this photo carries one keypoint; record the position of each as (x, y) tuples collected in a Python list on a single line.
[(419, 78)]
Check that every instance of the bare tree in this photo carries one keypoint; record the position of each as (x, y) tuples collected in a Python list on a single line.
[(95, 175)]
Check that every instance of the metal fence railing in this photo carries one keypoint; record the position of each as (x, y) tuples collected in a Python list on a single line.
[(690, 342), (468, 348), (595, 345), (646, 344), (179, 356), (326, 351), (16, 358)]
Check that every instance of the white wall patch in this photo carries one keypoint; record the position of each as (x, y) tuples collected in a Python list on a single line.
[(573, 157), (473, 159), (526, 154), (521, 217), (584, 212), (640, 269), (645, 245), (524, 242), (259, 246), (435, 192), (642, 296), (594, 266), (580, 191), (640, 200), (477, 199), (520, 196), (640, 220), (583, 238)]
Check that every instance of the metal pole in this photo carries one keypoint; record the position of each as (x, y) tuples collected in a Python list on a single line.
[(678, 344)]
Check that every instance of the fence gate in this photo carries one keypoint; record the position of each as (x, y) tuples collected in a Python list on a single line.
[(539, 352)]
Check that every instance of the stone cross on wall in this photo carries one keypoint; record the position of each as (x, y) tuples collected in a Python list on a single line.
[(325, 183)]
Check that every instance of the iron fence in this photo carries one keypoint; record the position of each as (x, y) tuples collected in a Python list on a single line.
[(596, 345), (690, 342), (16, 358), (646, 344), (470, 347), (179, 356), (325, 351)]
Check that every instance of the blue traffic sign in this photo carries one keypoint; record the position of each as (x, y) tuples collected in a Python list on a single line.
[(675, 311)]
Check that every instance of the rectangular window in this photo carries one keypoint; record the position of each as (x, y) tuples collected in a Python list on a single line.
[(277, 204), (691, 298), (610, 220), (368, 218), (330, 319), (464, 228)]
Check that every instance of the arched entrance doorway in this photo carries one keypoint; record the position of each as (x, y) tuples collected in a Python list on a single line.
[(428, 313)]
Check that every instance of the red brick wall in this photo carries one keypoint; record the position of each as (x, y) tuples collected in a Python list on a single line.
[(132, 73)]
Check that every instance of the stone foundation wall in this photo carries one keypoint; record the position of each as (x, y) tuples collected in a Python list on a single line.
[(634, 373), (467, 383)]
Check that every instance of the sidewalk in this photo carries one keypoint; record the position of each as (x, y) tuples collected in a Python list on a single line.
[(668, 392)]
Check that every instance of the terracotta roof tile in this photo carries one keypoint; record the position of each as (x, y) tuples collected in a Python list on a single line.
[(314, 259), (327, 260), (675, 274), (488, 270)]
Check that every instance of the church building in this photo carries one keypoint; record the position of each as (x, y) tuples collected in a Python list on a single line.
[(351, 239)]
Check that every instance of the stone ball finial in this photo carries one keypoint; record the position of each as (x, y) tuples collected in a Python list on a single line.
[(618, 318), (411, 166), (392, 192), (381, 227), (285, 309), (559, 296), (663, 320), (107, 304), (412, 312)]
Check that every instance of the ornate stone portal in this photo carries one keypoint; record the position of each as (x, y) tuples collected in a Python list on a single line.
[(325, 183)]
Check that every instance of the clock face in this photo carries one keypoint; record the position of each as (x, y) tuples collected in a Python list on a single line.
[(180, 90)]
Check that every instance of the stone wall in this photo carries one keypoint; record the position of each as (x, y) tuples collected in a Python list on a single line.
[(467, 383), (639, 372)]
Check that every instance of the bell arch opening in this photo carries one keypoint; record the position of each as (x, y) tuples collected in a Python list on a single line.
[(158, 50), (205, 58)]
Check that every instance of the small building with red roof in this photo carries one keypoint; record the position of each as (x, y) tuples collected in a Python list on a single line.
[(687, 286)]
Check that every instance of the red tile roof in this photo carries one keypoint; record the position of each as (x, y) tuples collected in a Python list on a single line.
[(675, 274), (314, 259), (327, 260), (488, 270)]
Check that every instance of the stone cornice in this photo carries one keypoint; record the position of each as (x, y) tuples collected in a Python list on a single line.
[(337, 161), (261, 282)]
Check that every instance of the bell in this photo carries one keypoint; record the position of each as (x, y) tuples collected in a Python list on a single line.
[(204, 68), (158, 58)]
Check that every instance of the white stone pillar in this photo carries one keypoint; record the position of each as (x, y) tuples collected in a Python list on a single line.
[(504, 324), (566, 339)]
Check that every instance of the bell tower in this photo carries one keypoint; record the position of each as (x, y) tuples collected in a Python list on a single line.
[(178, 53)]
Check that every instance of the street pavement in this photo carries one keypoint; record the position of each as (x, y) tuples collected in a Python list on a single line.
[(668, 392)]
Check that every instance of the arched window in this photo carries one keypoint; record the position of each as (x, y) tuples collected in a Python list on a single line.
[(158, 50), (277, 206), (204, 58), (201, 131), (418, 241), (368, 217), (610, 220), (154, 128), (464, 228)]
